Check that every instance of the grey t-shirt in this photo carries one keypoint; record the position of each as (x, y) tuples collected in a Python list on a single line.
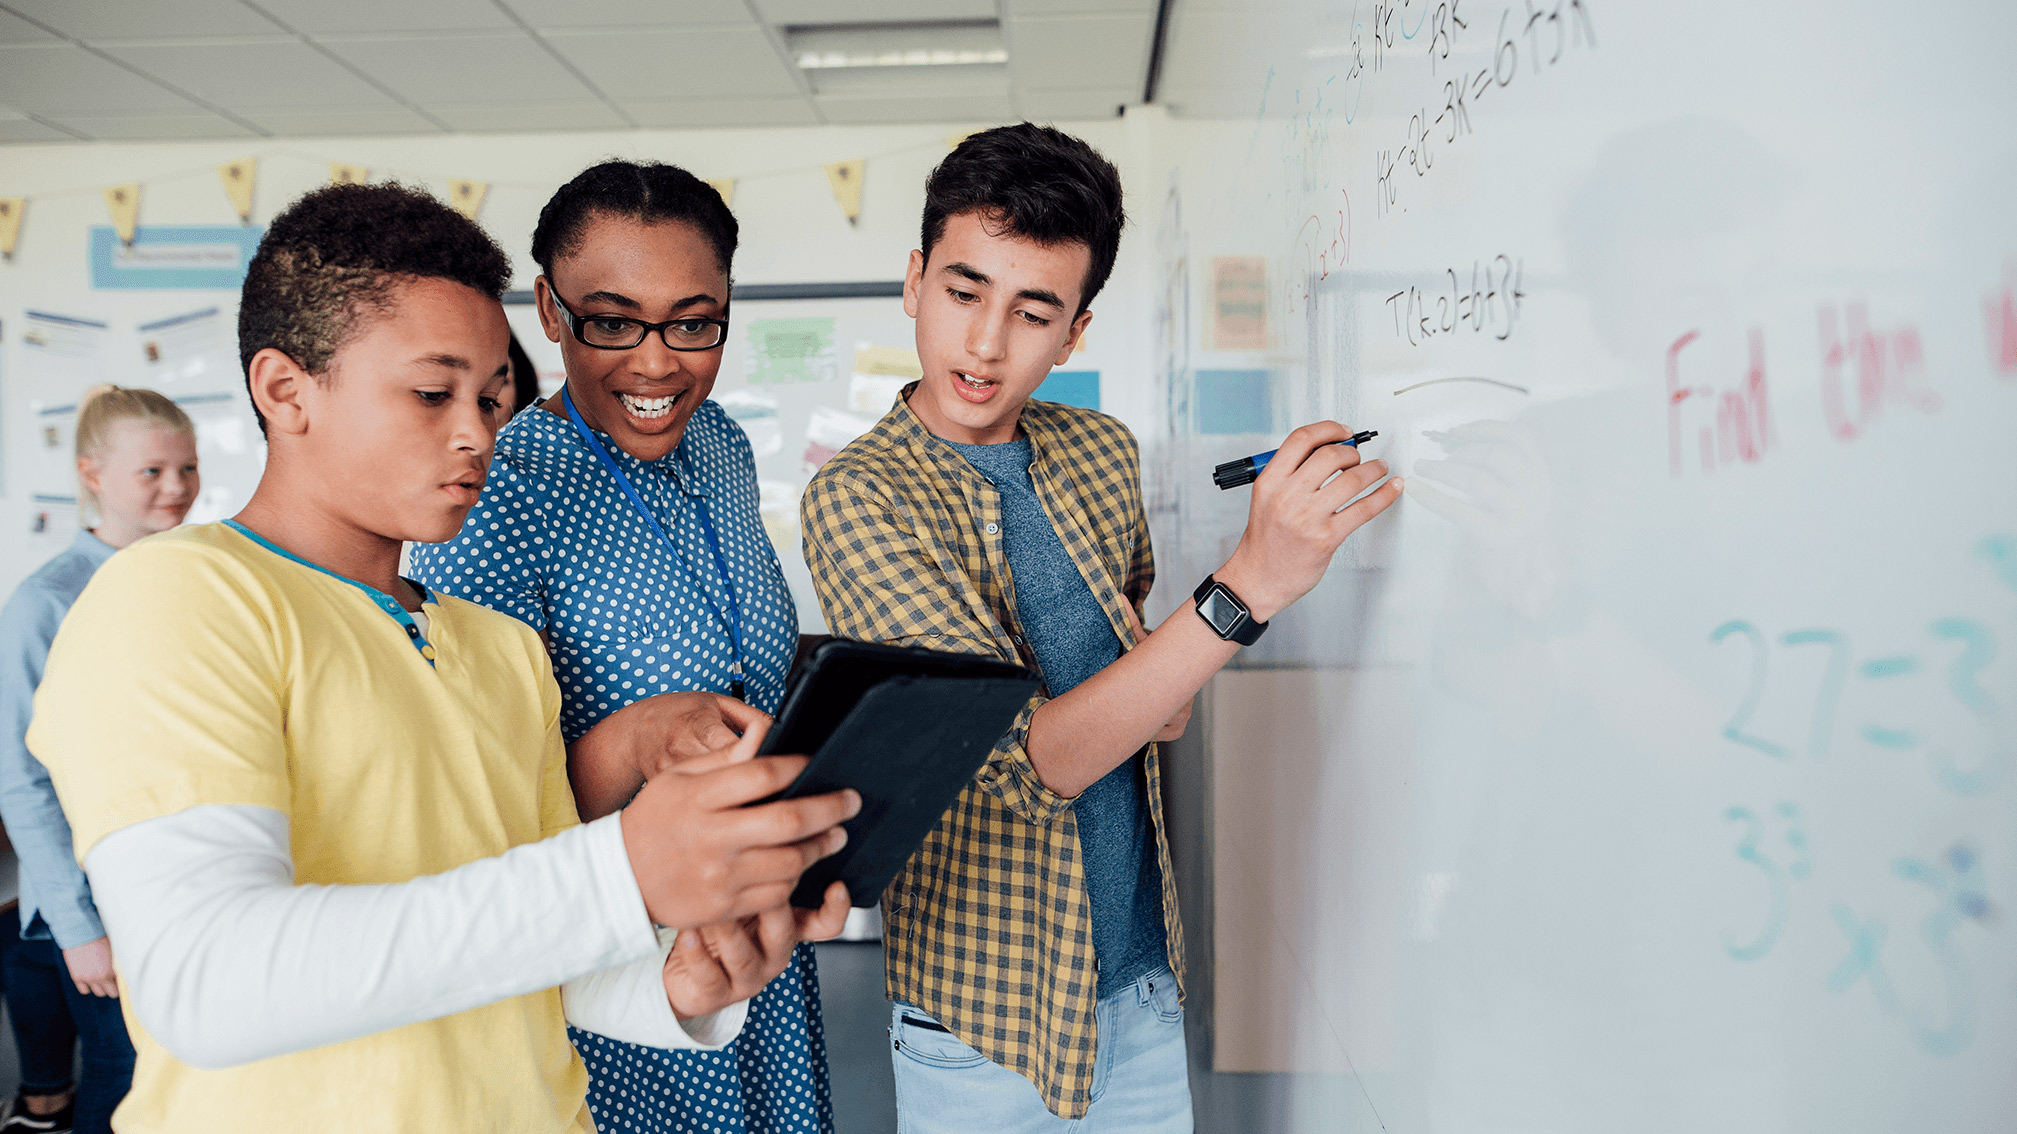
[(1073, 641)]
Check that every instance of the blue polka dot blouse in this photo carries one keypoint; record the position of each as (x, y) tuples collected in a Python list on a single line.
[(555, 542)]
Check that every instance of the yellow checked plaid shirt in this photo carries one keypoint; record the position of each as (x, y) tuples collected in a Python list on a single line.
[(989, 928)]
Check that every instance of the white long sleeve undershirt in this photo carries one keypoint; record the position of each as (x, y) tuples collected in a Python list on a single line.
[(226, 960)]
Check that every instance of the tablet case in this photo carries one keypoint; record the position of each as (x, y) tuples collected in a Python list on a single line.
[(910, 745), (839, 672)]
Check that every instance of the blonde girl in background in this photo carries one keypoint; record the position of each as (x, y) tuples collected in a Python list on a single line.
[(136, 473)]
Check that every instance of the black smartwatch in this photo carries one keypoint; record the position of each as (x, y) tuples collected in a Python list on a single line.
[(1228, 617)]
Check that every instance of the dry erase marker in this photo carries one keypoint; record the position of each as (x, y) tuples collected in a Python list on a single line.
[(1232, 474)]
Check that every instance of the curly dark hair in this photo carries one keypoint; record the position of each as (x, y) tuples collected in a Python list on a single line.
[(645, 191), (1037, 183), (337, 253)]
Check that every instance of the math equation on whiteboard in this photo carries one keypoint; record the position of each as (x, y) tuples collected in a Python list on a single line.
[(1487, 302), (1927, 700)]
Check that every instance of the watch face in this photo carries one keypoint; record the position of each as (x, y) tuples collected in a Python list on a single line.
[(1221, 611)]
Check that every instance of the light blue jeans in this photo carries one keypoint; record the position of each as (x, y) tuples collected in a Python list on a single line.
[(1141, 1081)]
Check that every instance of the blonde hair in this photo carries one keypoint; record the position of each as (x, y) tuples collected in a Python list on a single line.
[(106, 406)]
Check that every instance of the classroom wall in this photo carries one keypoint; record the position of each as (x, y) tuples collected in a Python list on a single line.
[(792, 230)]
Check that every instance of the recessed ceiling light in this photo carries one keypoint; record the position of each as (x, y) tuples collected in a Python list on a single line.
[(839, 47)]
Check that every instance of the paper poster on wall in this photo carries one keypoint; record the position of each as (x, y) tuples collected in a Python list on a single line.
[(173, 256), (828, 432), (61, 356), (756, 412), (1239, 303), (1234, 401), (880, 374), (777, 504), (1079, 388), (791, 350), (193, 359)]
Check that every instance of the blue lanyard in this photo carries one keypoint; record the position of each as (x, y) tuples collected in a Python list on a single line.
[(379, 598), (733, 616)]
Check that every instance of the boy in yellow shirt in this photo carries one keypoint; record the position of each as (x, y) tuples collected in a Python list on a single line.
[(325, 812)]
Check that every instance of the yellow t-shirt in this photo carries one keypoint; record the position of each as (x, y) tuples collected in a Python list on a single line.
[(199, 667)]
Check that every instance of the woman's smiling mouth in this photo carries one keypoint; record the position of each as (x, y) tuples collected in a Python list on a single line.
[(649, 409)]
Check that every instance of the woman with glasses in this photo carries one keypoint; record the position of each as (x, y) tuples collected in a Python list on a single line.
[(620, 520)]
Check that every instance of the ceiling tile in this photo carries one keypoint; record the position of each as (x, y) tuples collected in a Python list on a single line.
[(873, 11), (504, 118), (913, 82), (1058, 106), (607, 15), (14, 29), (1080, 52), (149, 127), (294, 120), (273, 73), (698, 63), (321, 17), (149, 19), (29, 130), (504, 66), (1213, 49), (62, 78), (1015, 9), (959, 110), (710, 113), (1210, 102)]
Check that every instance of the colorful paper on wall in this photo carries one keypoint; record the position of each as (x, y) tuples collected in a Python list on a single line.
[(193, 358), (1234, 401), (845, 177), (61, 356), (123, 202), (1239, 303), (466, 197), (173, 256), (1079, 388), (828, 432), (791, 350), (344, 174), (11, 211), (724, 186), (777, 505), (238, 177), (880, 374), (756, 412)]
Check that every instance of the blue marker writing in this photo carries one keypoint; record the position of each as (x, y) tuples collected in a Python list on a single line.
[(1232, 474)]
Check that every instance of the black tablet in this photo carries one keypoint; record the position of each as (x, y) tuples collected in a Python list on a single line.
[(907, 728)]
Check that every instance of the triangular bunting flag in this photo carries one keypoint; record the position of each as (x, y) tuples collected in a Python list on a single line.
[(237, 177), (124, 201), (341, 174), (11, 209), (466, 197), (952, 141), (845, 177), (724, 186)]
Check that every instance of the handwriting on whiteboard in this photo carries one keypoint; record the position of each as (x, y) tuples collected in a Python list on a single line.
[(1489, 302), (1968, 752), (1530, 40), (1946, 670), (1889, 369), (1732, 423), (2001, 310)]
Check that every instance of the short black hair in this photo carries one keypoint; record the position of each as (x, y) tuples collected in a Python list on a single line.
[(1038, 183), (638, 190), (524, 377), (337, 253)]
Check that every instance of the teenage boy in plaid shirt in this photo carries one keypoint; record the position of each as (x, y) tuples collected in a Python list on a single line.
[(1033, 945)]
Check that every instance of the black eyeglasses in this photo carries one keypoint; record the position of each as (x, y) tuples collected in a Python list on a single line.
[(614, 332)]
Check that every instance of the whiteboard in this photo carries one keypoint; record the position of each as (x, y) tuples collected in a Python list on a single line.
[(1653, 765)]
